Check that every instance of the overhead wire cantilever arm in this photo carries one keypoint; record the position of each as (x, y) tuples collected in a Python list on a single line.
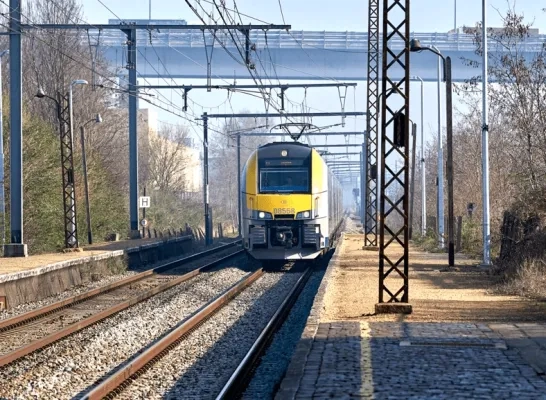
[(209, 61), (246, 32), (185, 95), (342, 98), (93, 58)]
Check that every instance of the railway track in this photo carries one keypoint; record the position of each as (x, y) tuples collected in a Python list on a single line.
[(25, 333), (125, 381), (201, 339), (239, 380)]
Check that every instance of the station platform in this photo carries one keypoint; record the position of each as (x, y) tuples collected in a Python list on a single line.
[(462, 340), (11, 265), (33, 278)]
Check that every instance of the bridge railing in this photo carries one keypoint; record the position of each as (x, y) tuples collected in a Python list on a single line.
[(351, 41)]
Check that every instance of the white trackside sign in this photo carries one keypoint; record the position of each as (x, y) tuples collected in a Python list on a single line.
[(144, 201)]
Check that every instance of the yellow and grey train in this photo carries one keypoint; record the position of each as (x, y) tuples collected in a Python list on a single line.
[(291, 202)]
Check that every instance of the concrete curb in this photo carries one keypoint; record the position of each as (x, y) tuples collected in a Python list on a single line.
[(294, 373), (47, 280), (83, 260), (59, 265)]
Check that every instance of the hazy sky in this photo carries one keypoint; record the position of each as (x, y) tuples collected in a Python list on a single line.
[(315, 15)]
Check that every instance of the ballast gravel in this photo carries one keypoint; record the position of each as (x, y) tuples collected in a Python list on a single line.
[(276, 359), (103, 281), (76, 290), (72, 365), (200, 365)]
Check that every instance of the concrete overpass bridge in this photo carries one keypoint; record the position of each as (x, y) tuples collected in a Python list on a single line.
[(305, 55)]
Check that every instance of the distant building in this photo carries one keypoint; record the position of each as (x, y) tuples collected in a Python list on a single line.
[(148, 127), (149, 135), (190, 171)]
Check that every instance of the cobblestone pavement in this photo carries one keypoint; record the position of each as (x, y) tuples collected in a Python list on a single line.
[(400, 360)]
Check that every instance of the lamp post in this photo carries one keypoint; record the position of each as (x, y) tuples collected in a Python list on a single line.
[(72, 214), (412, 179), (2, 196), (415, 45), (423, 174), (67, 166), (97, 120), (454, 15), (485, 145)]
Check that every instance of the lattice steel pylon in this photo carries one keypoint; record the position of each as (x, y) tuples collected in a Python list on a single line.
[(67, 169), (393, 247), (370, 212)]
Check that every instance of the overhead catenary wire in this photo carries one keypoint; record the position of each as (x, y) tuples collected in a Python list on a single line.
[(166, 70), (83, 64), (259, 59), (267, 101), (214, 33), (145, 58), (264, 95), (167, 103)]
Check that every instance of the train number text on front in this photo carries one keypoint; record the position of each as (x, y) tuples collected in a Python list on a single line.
[(284, 210)]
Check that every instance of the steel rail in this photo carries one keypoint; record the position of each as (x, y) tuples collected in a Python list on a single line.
[(240, 378), (41, 312), (84, 323), (160, 348)]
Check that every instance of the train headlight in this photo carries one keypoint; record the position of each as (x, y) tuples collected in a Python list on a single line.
[(261, 215), (304, 214)]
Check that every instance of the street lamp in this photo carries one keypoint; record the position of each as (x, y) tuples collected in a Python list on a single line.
[(2, 196), (415, 46), (72, 214), (485, 145), (67, 167), (423, 174), (98, 120), (412, 179)]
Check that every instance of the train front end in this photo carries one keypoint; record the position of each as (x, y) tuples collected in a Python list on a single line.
[(285, 203)]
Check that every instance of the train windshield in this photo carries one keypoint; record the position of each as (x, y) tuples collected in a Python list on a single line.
[(284, 180)]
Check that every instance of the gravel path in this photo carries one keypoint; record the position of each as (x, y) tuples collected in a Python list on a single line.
[(463, 293), (277, 357), (66, 368), (199, 366)]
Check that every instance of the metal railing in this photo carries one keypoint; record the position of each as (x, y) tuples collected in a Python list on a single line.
[(349, 41)]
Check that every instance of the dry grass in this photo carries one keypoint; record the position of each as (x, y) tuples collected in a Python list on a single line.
[(523, 273), (427, 243), (528, 279)]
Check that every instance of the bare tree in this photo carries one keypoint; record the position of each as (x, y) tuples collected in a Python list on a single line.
[(518, 98), (168, 158), (517, 125)]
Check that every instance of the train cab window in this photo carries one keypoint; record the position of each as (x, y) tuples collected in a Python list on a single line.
[(284, 180)]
